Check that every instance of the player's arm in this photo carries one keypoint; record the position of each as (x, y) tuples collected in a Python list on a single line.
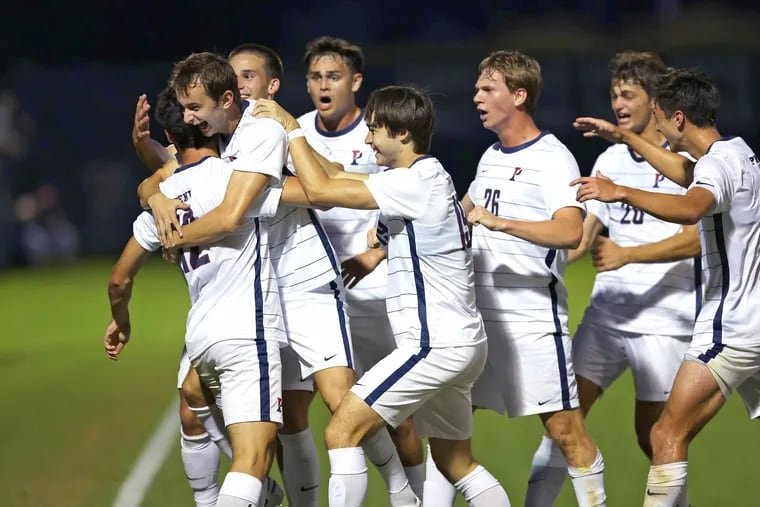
[(564, 230), (467, 204), (608, 255), (119, 294), (592, 227), (685, 209), (673, 166), (163, 208), (150, 151)]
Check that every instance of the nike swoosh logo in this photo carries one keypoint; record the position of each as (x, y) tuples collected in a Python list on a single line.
[(543, 402), (386, 461), (327, 358), (651, 493), (309, 488)]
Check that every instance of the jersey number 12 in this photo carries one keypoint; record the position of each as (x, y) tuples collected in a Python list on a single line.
[(191, 258)]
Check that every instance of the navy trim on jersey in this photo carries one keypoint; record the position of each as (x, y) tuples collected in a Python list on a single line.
[(514, 149), (698, 285), (244, 105), (343, 328), (338, 133), (188, 166), (639, 158), (396, 376), (421, 157), (558, 345), (261, 345), (419, 284), (720, 242), (324, 239), (726, 138)]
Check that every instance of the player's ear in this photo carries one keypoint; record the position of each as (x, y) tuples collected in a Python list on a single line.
[(356, 82), (521, 95), (228, 99), (168, 137), (274, 87)]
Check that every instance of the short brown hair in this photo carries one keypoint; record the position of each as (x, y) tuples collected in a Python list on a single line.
[(642, 68), (403, 108), (272, 61), (209, 70), (327, 45), (519, 71)]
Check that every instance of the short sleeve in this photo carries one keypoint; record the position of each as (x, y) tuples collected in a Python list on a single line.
[(714, 173), (400, 192), (145, 232), (264, 148), (558, 192)]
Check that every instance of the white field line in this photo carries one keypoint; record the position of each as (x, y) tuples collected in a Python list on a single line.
[(133, 489)]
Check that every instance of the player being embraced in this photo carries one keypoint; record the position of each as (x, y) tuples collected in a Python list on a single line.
[(234, 326), (526, 219), (638, 316), (431, 303), (723, 197)]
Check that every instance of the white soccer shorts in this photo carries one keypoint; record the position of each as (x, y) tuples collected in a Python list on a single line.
[(432, 383), (601, 354), (318, 331), (371, 332), (527, 374), (291, 372), (247, 373), (733, 367)]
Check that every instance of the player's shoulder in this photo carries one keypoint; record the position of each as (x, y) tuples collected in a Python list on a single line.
[(308, 121), (251, 125)]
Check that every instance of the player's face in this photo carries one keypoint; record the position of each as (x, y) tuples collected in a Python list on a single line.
[(203, 111), (386, 147), (331, 86), (631, 105), (668, 127), (493, 100), (253, 81)]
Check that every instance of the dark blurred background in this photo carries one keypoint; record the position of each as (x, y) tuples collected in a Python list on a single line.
[(73, 71)]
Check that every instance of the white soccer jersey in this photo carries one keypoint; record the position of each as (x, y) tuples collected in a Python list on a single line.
[(347, 228), (644, 298), (529, 182), (231, 281), (730, 237), (430, 301)]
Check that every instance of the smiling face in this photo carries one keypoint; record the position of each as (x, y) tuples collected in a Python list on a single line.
[(632, 106), (206, 113), (386, 147), (253, 81), (331, 85)]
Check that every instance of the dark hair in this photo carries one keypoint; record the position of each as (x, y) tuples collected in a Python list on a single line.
[(327, 45), (638, 67), (403, 108), (209, 70), (169, 114), (272, 61), (690, 91), (519, 71)]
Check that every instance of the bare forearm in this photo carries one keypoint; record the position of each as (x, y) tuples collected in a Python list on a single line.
[(151, 153), (148, 188), (208, 228), (683, 245), (673, 166), (668, 207), (119, 294), (549, 233)]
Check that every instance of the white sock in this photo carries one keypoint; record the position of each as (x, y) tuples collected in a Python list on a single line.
[(438, 491), (271, 493), (416, 476), (547, 474), (211, 417), (481, 489), (348, 477), (300, 468), (239, 490), (666, 485), (382, 453), (200, 458), (588, 483)]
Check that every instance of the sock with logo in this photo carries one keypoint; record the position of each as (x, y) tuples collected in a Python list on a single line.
[(666, 485), (382, 453), (300, 468)]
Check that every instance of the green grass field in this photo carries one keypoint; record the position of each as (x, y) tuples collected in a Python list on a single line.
[(73, 423)]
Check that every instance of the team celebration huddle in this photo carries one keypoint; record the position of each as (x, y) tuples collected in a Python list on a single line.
[(330, 253)]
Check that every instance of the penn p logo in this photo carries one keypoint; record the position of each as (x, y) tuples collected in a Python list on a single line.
[(518, 170), (657, 179), (356, 155)]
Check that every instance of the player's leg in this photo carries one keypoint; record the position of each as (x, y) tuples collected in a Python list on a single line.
[(411, 454), (298, 456), (203, 403)]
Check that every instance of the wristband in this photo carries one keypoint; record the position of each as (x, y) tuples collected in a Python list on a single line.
[(293, 134)]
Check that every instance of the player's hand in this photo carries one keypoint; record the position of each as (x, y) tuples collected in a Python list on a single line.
[(372, 240), (265, 108), (115, 339), (481, 216), (353, 270), (170, 254), (595, 127), (165, 215), (141, 127), (598, 187), (606, 255)]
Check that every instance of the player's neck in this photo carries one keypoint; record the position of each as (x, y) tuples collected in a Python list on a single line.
[(517, 130), (340, 123), (406, 158), (193, 155), (699, 140), (652, 135), (233, 119)]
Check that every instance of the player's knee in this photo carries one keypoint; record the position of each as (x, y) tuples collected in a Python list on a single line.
[(189, 422), (565, 428), (192, 391), (295, 414)]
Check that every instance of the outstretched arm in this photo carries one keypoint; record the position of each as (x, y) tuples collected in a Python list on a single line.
[(673, 166), (150, 151), (563, 230), (119, 294)]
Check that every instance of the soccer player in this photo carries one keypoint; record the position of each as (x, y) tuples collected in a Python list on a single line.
[(334, 75), (526, 219), (234, 327), (638, 316), (723, 197), (431, 303)]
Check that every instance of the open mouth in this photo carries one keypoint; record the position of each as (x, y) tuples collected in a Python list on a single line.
[(203, 126), (623, 118), (325, 102), (482, 114)]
